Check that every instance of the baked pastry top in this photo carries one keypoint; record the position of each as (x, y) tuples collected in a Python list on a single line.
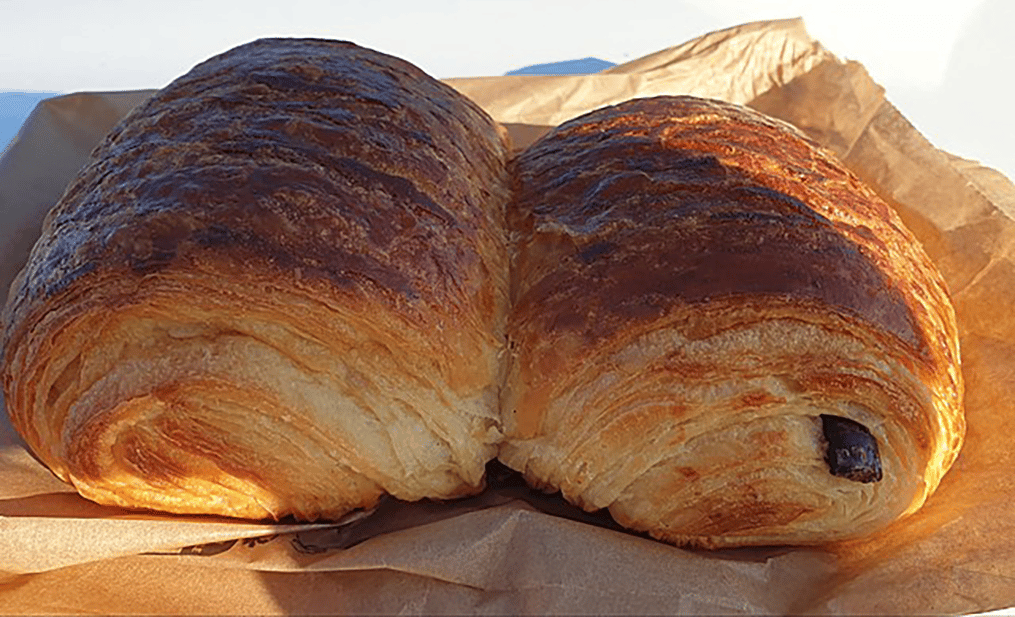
[(720, 334), (277, 289)]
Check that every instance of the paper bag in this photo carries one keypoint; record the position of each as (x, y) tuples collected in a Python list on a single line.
[(511, 550)]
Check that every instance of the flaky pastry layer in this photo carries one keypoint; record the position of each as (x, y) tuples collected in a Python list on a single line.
[(278, 289), (694, 287)]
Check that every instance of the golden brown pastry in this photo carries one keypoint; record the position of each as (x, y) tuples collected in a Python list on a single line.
[(720, 334), (279, 288)]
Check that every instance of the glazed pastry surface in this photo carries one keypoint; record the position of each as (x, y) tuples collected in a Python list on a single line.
[(278, 289), (720, 334)]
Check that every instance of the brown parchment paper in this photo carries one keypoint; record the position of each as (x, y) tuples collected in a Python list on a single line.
[(512, 551)]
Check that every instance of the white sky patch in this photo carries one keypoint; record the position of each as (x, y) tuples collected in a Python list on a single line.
[(899, 41), (121, 44)]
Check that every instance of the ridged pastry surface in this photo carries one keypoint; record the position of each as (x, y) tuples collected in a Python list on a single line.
[(279, 288), (694, 286)]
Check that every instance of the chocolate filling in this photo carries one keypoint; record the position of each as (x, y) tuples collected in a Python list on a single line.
[(852, 451)]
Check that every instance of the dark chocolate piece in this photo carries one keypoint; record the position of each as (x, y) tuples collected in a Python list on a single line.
[(852, 451)]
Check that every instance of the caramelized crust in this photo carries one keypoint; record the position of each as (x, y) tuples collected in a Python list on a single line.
[(694, 285), (278, 289)]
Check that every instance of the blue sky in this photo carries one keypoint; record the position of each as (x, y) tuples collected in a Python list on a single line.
[(14, 108)]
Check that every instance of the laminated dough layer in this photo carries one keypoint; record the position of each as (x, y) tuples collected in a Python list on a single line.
[(277, 289), (719, 334)]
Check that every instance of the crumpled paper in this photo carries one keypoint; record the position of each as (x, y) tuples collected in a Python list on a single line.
[(514, 551)]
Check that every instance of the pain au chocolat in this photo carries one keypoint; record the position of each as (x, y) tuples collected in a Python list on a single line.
[(304, 276), (720, 334), (278, 289)]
